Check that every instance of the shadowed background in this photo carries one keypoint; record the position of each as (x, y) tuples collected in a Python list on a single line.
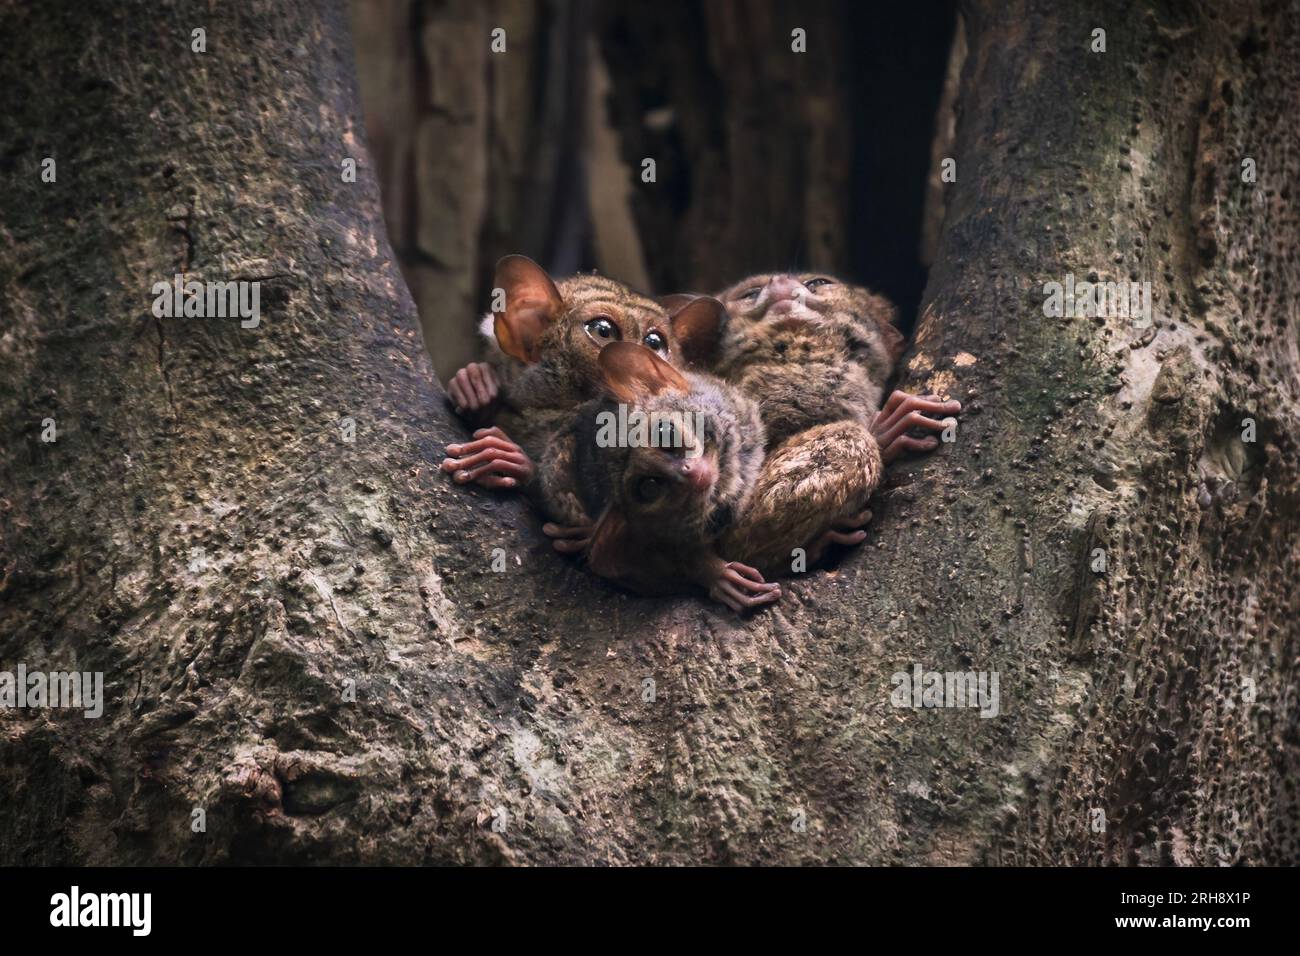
[(764, 158)]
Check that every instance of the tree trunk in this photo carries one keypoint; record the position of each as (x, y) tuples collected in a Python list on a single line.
[(203, 534)]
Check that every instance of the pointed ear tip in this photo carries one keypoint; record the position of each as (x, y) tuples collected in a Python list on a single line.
[(615, 358), (624, 363), (616, 351), (515, 266), (701, 306)]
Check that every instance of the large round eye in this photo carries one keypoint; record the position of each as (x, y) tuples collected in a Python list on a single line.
[(656, 342), (750, 293), (668, 435), (649, 490), (602, 329), (817, 283)]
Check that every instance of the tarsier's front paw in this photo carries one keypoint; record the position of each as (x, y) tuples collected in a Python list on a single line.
[(473, 389), (491, 460), (569, 539), (846, 531), (740, 587), (904, 412)]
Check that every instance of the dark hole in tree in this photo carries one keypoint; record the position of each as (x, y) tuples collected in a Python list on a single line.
[(767, 159), (900, 75), (887, 65)]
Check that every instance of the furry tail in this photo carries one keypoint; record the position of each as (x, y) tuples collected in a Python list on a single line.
[(808, 482)]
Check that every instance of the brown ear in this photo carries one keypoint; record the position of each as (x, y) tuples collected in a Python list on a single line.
[(633, 372), (697, 326), (894, 341), (608, 549), (885, 315), (672, 303), (532, 303)]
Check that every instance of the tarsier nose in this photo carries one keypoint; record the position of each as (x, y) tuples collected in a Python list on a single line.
[(785, 287), (699, 473)]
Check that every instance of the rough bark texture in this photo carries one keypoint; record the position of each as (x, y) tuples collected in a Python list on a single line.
[(201, 533), (1163, 691)]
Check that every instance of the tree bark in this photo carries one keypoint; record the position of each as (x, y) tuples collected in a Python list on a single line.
[(1162, 690), (202, 533)]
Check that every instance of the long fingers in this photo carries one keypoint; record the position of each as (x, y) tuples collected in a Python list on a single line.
[(473, 388), (484, 461), (739, 586), (471, 453), (484, 439), (493, 461), (457, 391), (891, 403), (511, 472), (571, 545), (727, 592), (847, 538), (746, 571), (484, 382), (907, 443), (853, 521), (901, 404), (742, 586), (898, 397), (914, 419), (568, 539)]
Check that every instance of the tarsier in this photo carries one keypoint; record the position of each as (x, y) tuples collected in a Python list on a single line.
[(806, 354), (816, 354), (662, 505), (545, 341)]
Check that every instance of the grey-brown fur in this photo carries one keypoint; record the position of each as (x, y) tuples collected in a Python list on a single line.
[(668, 543), (818, 371), (814, 478), (826, 361), (548, 367)]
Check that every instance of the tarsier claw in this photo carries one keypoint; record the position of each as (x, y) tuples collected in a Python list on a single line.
[(491, 460), (846, 530), (473, 388), (568, 539), (902, 413), (739, 587)]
